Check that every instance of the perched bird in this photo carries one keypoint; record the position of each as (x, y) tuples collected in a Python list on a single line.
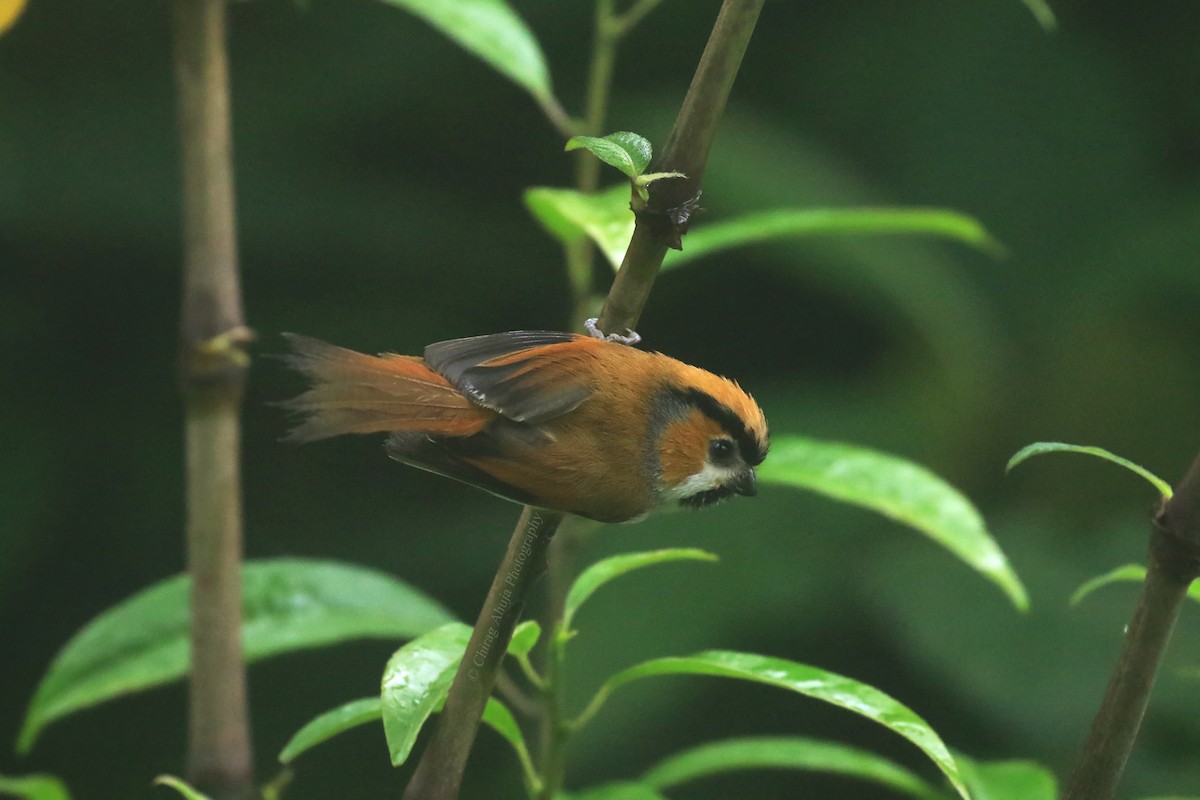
[(560, 421)]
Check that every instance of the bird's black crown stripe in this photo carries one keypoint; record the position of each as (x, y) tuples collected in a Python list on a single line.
[(752, 451)]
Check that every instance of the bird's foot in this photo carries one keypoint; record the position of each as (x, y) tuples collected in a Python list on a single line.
[(630, 338)]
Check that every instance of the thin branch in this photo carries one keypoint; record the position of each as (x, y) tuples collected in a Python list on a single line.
[(1174, 564), (439, 773), (624, 23), (213, 378), (671, 202), (558, 116)]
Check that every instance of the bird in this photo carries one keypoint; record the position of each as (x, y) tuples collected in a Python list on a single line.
[(585, 425)]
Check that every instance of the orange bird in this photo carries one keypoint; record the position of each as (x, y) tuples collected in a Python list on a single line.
[(583, 425)]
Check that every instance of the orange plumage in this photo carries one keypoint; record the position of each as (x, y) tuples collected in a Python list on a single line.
[(555, 420)]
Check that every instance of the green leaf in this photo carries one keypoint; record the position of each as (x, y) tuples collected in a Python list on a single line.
[(1039, 448), (1007, 780), (287, 604), (1043, 14), (1130, 573), (525, 638), (416, 681), (803, 679), (604, 571), (501, 720), (624, 790), (330, 724), (624, 150), (897, 489), (179, 786), (34, 787), (491, 30), (370, 709), (761, 226), (605, 218), (569, 215), (785, 752)]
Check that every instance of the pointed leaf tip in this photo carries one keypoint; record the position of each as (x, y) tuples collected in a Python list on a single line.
[(1041, 448), (803, 679), (493, 32), (609, 569), (898, 489)]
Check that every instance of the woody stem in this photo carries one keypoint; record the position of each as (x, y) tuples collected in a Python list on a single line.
[(1174, 564), (213, 376), (439, 774)]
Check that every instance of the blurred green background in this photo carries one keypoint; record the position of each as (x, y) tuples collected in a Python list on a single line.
[(379, 173)]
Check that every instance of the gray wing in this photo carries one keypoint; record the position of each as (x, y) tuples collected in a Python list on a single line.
[(515, 373)]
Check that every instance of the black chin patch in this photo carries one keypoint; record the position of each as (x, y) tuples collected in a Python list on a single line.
[(707, 498)]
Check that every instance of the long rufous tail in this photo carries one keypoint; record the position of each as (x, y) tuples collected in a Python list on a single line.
[(356, 393)]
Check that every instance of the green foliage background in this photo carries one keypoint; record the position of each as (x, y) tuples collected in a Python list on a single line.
[(379, 178)]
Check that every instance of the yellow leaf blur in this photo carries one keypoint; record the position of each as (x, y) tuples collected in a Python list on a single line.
[(9, 11)]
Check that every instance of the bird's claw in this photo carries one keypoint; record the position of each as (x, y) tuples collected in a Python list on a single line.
[(630, 338)]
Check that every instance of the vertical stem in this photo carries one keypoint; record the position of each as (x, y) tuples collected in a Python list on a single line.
[(555, 732), (213, 367), (1174, 564), (439, 774), (580, 254)]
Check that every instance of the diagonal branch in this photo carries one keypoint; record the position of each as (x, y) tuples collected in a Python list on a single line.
[(1174, 564), (439, 773)]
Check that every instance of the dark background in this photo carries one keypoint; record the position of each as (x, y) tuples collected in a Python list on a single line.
[(379, 173)]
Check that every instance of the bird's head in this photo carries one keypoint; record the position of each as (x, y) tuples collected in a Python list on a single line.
[(708, 436)]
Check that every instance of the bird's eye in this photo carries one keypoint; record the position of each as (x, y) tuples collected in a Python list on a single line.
[(720, 450)]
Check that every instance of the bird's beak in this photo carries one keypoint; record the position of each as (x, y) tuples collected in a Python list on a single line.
[(746, 483)]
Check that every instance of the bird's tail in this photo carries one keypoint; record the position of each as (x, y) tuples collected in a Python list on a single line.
[(356, 393)]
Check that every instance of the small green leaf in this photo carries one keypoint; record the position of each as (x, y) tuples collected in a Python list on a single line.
[(1039, 448), (330, 724), (525, 638), (491, 30), (785, 752), (624, 150), (34, 787), (288, 604), (501, 720), (1130, 573), (1007, 780), (604, 571), (179, 786), (897, 489), (1043, 14), (370, 709), (416, 681), (809, 681), (569, 215)]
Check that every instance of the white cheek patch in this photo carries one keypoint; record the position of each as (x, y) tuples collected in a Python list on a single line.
[(710, 477)]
